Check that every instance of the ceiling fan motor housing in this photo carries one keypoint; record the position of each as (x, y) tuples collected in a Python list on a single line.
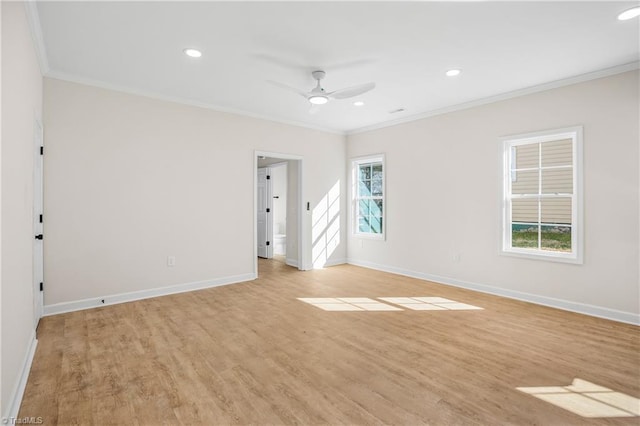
[(318, 75)]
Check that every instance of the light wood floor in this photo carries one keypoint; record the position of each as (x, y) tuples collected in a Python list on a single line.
[(251, 353)]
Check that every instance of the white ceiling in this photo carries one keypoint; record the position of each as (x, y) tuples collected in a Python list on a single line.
[(404, 47)]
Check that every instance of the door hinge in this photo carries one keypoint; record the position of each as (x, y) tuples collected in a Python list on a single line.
[(268, 210), (268, 177), (41, 286), (40, 218), (39, 237), (268, 243), (42, 150)]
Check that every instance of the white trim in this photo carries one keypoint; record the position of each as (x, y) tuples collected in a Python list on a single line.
[(550, 256), (37, 226), (549, 135), (565, 305), (503, 96), (440, 111), (183, 101), (33, 19), (18, 391), (114, 299), (291, 262), (274, 165), (334, 262)]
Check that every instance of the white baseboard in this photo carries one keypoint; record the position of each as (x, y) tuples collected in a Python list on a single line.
[(78, 305), (291, 262), (581, 308), (21, 384), (334, 262)]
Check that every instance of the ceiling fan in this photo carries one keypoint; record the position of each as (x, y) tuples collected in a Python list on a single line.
[(319, 96)]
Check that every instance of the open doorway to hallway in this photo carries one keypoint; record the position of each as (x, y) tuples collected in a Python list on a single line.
[(278, 209)]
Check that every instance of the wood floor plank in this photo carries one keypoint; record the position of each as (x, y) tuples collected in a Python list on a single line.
[(252, 353)]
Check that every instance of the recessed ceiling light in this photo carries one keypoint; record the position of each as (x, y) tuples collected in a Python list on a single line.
[(629, 13), (194, 53), (453, 73), (358, 103)]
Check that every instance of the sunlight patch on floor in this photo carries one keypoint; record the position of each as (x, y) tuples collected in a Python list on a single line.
[(587, 399), (367, 304), (429, 303), (348, 304)]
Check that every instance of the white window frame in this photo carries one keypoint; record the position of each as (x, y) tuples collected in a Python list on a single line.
[(577, 223), (355, 205)]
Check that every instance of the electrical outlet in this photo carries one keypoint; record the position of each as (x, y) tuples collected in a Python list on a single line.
[(171, 261), (456, 257)]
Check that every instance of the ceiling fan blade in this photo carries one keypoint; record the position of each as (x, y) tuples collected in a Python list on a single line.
[(289, 88), (352, 91)]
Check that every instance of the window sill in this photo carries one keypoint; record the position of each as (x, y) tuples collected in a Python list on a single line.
[(378, 237), (535, 255)]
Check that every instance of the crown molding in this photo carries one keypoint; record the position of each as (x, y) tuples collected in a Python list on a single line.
[(504, 96), (39, 46), (184, 101), (33, 18), (440, 111)]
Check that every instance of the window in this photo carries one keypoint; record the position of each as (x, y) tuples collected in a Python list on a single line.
[(368, 197), (542, 195)]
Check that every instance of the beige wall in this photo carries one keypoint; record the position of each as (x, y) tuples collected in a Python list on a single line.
[(21, 105), (131, 180), (444, 194)]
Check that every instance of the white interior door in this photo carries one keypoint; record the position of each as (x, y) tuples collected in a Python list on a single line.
[(38, 225), (264, 215)]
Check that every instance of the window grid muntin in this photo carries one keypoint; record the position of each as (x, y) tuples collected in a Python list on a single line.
[(510, 177), (369, 216), (371, 163)]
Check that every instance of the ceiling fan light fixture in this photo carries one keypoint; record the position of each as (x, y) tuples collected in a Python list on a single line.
[(358, 103), (193, 53), (453, 72), (318, 99), (629, 14)]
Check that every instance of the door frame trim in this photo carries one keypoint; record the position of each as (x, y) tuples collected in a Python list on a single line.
[(38, 262), (302, 235)]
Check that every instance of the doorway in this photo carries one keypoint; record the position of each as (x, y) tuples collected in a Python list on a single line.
[(278, 209)]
